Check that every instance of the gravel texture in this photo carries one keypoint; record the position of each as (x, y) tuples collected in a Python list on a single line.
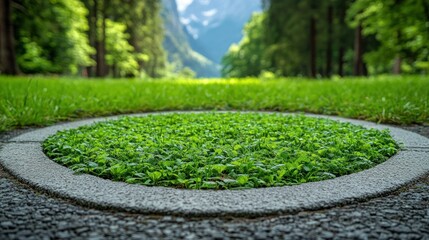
[(28, 214)]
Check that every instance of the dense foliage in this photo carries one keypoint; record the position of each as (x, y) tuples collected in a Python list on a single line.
[(325, 38), (100, 38), (83, 37), (51, 36), (40, 101), (248, 57), (220, 150), (401, 29)]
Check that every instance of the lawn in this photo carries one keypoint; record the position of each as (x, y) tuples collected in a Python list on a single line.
[(39, 101)]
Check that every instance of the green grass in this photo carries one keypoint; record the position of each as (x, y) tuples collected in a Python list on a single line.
[(220, 150), (28, 101)]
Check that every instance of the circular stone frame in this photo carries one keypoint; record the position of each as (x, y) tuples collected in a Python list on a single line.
[(22, 156)]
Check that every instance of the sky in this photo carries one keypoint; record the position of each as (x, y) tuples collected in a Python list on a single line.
[(182, 4)]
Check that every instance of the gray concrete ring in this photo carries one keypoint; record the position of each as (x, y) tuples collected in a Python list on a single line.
[(22, 156)]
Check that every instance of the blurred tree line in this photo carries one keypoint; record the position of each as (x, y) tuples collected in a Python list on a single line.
[(92, 38), (333, 37)]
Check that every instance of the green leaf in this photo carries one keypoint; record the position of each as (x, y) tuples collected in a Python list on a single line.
[(243, 179)]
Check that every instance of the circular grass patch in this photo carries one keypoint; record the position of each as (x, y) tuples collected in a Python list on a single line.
[(220, 150)]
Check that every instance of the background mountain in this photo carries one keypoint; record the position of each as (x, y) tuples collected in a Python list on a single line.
[(213, 25), (176, 43)]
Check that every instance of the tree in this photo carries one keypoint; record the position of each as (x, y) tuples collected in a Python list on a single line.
[(295, 51), (342, 34), (144, 32), (51, 36), (247, 58), (402, 30), (359, 65), (152, 36), (144, 26), (287, 43), (100, 7), (329, 42), (289, 49), (313, 47), (7, 42), (120, 55), (87, 37)]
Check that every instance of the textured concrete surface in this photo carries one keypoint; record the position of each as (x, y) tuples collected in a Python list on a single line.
[(26, 214), (22, 156)]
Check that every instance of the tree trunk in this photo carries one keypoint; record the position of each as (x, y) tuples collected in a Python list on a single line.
[(135, 32), (426, 10), (396, 70), (330, 21), (358, 59), (100, 39), (313, 48), (115, 71), (397, 65), (8, 63), (341, 38), (103, 41), (341, 61), (92, 33)]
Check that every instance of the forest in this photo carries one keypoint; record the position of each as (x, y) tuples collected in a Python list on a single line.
[(318, 39), (90, 38), (337, 37)]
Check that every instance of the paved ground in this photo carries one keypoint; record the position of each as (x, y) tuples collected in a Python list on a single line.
[(26, 214)]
